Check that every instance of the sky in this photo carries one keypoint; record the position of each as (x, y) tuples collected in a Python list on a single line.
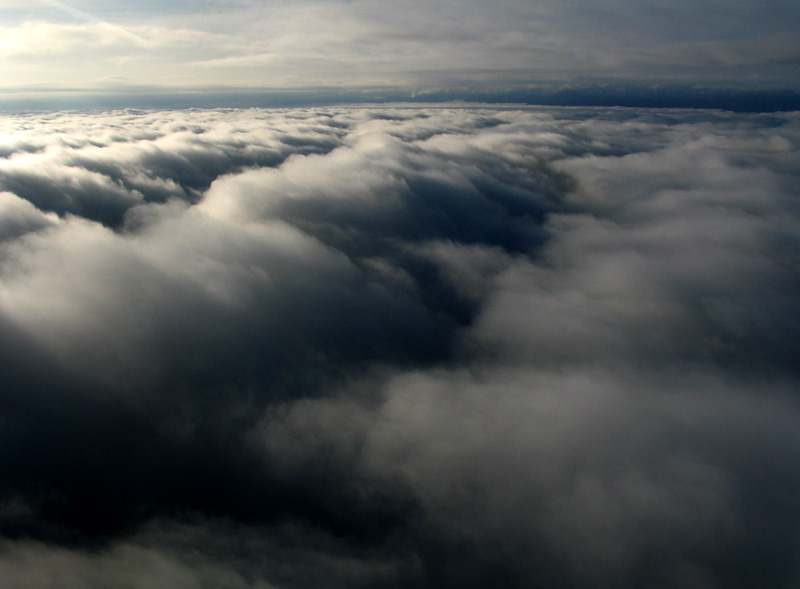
[(410, 47)]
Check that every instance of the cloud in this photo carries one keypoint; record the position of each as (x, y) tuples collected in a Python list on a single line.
[(39, 39), (412, 347), (100, 173), (18, 216), (421, 46)]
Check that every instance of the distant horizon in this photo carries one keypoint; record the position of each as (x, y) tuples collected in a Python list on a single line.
[(594, 95)]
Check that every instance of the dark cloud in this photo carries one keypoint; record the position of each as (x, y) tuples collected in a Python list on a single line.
[(400, 347)]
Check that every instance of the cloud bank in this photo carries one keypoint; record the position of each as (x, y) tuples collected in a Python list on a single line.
[(399, 347)]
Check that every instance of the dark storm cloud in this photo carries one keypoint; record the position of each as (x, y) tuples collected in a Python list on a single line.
[(400, 347)]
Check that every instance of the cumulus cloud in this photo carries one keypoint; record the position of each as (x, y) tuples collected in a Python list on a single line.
[(360, 347), (19, 216)]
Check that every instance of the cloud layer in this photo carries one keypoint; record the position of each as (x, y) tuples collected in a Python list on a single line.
[(413, 46), (399, 347)]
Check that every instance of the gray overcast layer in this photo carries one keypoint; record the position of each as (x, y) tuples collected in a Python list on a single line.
[(114, 47), (418, 348)]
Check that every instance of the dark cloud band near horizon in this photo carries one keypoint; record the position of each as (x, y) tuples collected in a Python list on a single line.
[(399, 347)]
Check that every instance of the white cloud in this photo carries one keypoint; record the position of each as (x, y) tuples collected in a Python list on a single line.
[(18, 217)]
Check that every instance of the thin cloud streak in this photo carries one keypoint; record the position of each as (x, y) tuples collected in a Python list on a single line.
[(66, 8)]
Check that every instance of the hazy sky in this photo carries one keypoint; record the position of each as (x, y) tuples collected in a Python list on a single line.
[(408, 44)]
